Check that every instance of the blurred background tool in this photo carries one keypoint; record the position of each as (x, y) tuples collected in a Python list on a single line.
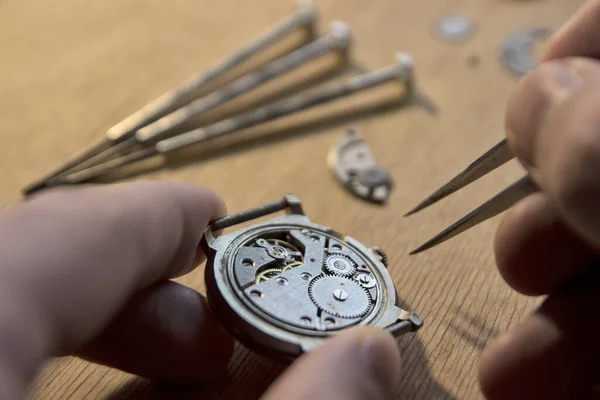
[(337, 41), (401, 70), (353, 164), (520, 51), (455, 28), (304, 18)]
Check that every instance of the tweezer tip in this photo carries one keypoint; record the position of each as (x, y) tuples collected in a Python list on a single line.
[(414, 210), (424, 204), (420, 249)]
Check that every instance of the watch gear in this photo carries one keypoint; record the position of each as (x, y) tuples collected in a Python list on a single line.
[(292, 265), (339, 296), (267, 274), (339, 264)]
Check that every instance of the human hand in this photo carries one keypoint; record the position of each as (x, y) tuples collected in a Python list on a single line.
[(549, 243), (86, 271)]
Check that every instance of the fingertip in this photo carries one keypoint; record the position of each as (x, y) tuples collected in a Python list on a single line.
[(362, 362), (506, 365), (381, 353), (199, 199), (219, 210), (539, 358), (552, 127), (535, 96), (511, 250), (206, 199), (491, 365), (193, 208), (535, 251)]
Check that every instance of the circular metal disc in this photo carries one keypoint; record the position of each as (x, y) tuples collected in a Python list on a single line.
[(455, 27), (339, 296), (339, 264), (517, 50)]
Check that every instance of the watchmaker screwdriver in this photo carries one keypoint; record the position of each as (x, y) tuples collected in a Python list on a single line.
[(304, 18), (402, 69), (338, 40)]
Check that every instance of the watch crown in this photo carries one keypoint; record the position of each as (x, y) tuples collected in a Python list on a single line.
[(382, 255)]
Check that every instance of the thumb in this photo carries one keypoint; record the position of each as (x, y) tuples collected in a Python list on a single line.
[(363, 363)]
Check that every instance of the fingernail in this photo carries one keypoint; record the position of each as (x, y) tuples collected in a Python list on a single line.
[(381, 357), (564, 79)]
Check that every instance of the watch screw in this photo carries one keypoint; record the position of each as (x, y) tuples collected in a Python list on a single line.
[(340, 294)]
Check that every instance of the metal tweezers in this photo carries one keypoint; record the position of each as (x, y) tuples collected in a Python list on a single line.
[(491, 160)]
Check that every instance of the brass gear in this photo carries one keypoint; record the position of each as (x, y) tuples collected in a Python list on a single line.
[(267, 274), (292, 265)]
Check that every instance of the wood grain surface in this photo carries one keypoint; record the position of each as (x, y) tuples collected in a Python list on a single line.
[(71, 69)]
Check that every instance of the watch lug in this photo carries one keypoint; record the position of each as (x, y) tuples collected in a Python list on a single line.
[(294, 204), (407, 321)]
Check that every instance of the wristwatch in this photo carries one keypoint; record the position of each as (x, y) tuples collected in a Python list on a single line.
[(284, 285)]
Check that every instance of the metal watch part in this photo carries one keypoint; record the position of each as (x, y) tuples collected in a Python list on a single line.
[(517, 50), (353, 164), (339, 296), (339, 264), (455, 28), (284, 285), (366, 280)]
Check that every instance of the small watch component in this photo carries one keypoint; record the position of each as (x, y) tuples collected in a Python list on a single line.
[(354, 166), (339, 264), (339, 296), (517, 52), (454, 28), (284, 285)]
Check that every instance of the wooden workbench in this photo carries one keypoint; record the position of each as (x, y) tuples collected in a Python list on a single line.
[(71, 69)]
